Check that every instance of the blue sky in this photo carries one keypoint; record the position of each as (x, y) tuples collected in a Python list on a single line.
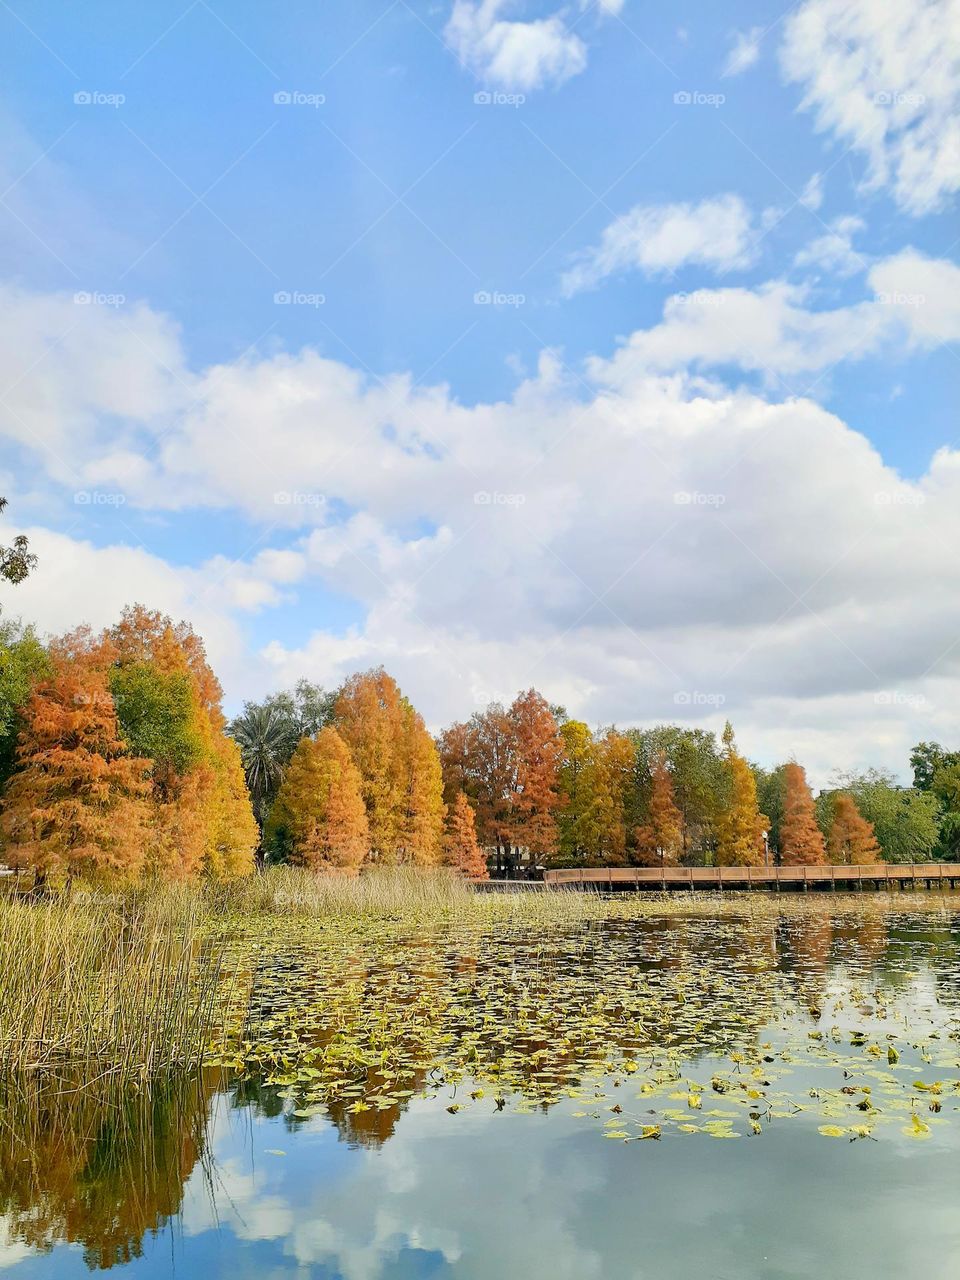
[(765, 196)]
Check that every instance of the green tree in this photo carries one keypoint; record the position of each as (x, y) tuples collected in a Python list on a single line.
[(905, 819), (16, 561), (24, 663), (267, 740), (937, 772), (700, 782), (155, 711)]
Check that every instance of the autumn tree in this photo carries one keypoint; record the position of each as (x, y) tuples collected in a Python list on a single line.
[(577, 786), (537, 746), (659, 842), (801, 841), (698, 775), (201, 819), (77, 802), (479, 758), (399, 768), (318, 819), (740, 824), (460, 846), (851, 840)]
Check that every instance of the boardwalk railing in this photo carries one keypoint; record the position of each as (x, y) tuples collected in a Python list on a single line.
[(875, 875)]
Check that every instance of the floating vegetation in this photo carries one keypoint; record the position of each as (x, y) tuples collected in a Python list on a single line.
[(651, 1017)]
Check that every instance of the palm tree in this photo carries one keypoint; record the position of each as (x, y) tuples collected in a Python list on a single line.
[(267, 740)]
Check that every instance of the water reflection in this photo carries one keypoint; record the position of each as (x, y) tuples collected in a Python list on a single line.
[(380, 1182)]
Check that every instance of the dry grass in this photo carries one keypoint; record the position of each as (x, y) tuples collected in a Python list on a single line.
[(105, 984)]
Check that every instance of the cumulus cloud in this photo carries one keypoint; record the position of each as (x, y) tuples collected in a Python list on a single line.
[(641, 539), (773, 330), (715, 233), (510, 54), (882, 79), (744, 51), (833, 252)]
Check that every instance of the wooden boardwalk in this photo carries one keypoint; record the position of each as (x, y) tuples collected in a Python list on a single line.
[(880, 875)]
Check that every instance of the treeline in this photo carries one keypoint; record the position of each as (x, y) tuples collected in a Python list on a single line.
[(116, 758)]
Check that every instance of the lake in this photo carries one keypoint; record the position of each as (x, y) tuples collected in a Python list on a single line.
[(759, 1087)]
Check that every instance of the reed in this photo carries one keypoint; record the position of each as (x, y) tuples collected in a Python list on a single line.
[(105, 983)]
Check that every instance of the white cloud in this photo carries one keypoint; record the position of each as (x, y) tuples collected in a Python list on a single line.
[(834, 252), (883, 79), (716, 233), (812, 195), (744, 52), (773, 330), (513, 55), (616, 538)]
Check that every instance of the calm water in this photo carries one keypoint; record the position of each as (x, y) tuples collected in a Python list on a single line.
[(212, 1178)]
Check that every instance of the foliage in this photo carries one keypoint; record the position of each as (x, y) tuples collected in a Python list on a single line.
[(740, 824), (155, 711), (201, 819), (16, 561), (24, 662), (851, 839), (660, 839), (460, 847), (77, 802), (698, 776), (937, 772), (536, 744), (904, 819), (318, 819), (800, 839), (399, 769), (267, 739)]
